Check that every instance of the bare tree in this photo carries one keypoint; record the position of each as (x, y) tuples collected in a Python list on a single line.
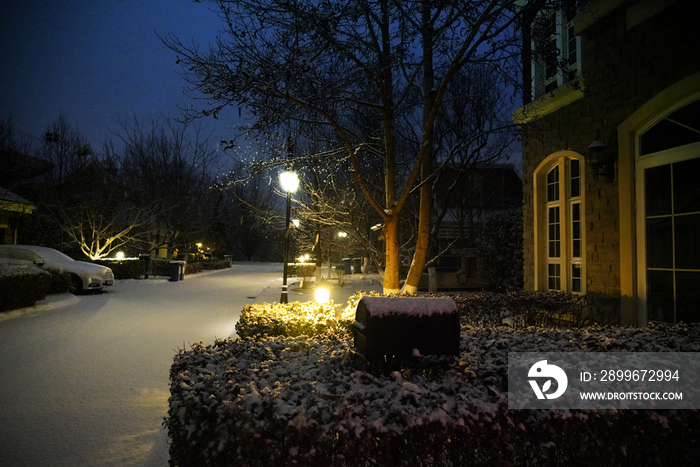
[(15, 161), (167, 169), (244, 216), (325, 63), (80, 200)]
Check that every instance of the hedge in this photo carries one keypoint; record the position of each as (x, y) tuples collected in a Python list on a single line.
[(279, 401), (287, 393), (124, 268), (22, 286), (294, 319)]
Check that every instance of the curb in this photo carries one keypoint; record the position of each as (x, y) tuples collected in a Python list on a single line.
[(49, 303)]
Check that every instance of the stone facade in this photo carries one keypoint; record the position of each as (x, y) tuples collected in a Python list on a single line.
[(624, 63)]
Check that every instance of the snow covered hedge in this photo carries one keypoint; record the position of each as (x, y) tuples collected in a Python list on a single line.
[(22, 286), (524, 308), (277, 400), (294, 319), (127, 268)]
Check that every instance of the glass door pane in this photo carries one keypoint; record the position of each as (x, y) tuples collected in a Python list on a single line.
[(672, 204)]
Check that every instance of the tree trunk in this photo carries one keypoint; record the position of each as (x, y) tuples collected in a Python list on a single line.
[(426, 190), (393, 262), (423, 240)]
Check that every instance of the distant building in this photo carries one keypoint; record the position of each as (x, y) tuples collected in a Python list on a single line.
[(12, 206), (465, 203), (611, 157)]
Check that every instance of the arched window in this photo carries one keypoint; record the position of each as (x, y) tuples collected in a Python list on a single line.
[(559, 221)]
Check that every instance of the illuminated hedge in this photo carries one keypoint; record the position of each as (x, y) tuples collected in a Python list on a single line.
[(294, 319)]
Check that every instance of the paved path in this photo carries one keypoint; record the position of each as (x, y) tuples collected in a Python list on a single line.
[(84, 380)]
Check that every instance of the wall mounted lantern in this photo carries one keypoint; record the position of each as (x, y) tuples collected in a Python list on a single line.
[(601, 161)]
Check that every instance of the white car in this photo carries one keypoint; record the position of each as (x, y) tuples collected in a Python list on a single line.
[(84, 276)]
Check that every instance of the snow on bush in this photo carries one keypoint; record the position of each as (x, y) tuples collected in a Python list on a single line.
[(294, 319), (271, 399), (22, 286)]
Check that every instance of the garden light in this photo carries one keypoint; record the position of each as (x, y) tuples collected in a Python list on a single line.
[(322, 291)]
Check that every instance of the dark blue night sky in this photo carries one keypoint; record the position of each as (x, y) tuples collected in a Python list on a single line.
[(96, 61)]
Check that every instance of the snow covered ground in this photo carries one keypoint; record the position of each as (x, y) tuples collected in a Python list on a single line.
[(84, 380)]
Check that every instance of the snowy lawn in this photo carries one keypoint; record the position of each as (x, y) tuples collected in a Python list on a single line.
[(287, 393)]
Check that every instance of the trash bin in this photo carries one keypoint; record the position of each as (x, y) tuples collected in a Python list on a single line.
[(347, 266), (177, 271), (357, 265), (146, 258)]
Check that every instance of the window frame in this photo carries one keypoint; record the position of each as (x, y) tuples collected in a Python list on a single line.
[(570, 270), (544, 82)]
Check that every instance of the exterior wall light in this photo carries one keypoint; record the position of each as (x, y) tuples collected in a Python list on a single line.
[(322, 291), (601, 161)]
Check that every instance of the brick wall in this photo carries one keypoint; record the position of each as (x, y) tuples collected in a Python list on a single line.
[(622, 69)]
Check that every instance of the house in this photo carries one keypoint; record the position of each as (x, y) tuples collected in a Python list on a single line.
[(611, 152), (12, 206), (465, 200)]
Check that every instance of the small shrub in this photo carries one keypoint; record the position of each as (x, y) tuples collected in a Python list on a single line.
[(341, 276), (192, 268), (160, 267), (213, 265), (305, 272), (124, 268), (22, 286)]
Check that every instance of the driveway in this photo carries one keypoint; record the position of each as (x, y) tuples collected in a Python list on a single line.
[(84, 380)]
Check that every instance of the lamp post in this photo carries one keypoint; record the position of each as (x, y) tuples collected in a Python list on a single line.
[(290, 183)]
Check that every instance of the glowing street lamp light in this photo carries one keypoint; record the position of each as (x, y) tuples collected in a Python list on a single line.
[(322, 291), (289, 182)]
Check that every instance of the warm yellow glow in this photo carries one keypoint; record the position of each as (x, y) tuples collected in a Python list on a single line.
[(322, 295), (289, 181), (342, 234), (302, 259), (120, 255), (296, 223), (322, 291)]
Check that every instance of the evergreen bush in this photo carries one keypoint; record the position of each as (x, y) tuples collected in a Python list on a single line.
[(22, 286)]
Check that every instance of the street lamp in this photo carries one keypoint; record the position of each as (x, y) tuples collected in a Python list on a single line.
[(290, 183)]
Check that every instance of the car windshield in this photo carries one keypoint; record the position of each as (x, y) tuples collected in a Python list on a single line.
[(54, 255)]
